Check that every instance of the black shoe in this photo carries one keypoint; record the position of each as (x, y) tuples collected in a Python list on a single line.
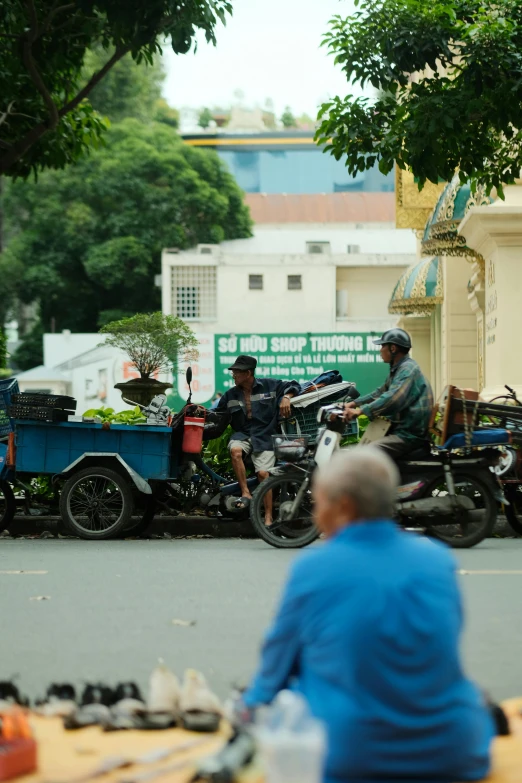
[(127, 690), (98, 693)]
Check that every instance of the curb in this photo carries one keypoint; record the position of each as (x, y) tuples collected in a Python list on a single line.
[(178, 527), (166, 527)]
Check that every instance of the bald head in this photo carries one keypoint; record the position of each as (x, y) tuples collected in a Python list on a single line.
[(358, 483)]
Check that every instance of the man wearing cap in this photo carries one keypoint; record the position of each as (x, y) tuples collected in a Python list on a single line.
[(253, 407), (406, 398)]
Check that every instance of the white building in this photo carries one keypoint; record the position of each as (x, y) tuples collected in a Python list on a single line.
[(293, 279), (318, 278)]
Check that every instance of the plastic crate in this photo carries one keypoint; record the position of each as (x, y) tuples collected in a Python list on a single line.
[(303, 421), (32, 413), (8, 387), (41, 400)]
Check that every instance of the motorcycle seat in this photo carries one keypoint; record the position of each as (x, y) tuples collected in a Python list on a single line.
[(485, 437), (422, 452)]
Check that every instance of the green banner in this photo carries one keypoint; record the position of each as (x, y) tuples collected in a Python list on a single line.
[(303, 357), (298, 356)]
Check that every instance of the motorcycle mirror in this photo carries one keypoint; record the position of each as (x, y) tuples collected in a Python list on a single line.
[(188, 375)]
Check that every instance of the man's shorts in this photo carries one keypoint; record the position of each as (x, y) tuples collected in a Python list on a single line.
[(263, 460)]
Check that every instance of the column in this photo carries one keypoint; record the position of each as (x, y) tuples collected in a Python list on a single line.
[(495, 232)]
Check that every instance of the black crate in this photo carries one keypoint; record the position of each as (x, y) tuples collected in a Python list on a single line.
[(8, 388), (41, 400), (34, 413)]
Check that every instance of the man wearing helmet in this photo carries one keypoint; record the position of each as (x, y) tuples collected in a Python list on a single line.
[(405, 399)]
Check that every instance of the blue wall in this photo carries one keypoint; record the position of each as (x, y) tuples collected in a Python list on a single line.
[(299, 171)]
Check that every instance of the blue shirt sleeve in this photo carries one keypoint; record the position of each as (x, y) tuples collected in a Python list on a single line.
[(281, 647)]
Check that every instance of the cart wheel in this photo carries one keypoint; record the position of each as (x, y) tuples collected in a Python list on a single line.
[(7, 505), (96, 503)]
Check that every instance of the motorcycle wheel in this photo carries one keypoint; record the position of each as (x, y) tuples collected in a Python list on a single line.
[(513, 512), (7, 505), (472, 527), (283, 534)]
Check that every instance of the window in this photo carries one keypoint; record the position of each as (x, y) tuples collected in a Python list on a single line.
[(205, 250), (187, 301), (255, 282), (193, 292), (352, 249), (317, 247), (295, 283)]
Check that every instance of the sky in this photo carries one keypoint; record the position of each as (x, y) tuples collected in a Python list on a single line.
[(269, 49)]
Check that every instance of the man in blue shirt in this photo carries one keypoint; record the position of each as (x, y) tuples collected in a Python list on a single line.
[(368, 631)]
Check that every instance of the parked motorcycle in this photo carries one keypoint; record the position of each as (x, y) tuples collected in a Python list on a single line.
[(449, 493)]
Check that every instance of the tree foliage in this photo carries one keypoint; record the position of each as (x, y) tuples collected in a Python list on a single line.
[(128, 90), (45, 121), (85, 243), (205, 118), (450, 80), (152, 341), (287, 118)]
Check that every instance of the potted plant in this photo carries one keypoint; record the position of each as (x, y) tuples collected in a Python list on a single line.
[(153, 342)]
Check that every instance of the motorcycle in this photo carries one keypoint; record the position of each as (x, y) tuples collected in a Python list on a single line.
[(449, 493)]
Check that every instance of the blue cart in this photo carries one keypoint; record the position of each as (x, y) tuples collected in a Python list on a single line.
[(104, 470)]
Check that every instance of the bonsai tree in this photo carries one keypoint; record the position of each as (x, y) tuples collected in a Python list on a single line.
[(152, 341)]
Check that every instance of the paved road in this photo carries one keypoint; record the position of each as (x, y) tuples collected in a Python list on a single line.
[(112, 604)]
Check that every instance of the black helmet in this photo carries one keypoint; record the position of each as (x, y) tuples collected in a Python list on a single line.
[(395, 337)]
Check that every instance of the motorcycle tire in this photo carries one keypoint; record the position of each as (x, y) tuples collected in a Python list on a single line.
[(513, 512), (7, 505), (283, 535), (484, 526)]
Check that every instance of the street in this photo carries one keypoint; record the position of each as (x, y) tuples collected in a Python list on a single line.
[(111, 606)]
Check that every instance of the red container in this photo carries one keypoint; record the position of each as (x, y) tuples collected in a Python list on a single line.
[(17, 757), (192, 434)]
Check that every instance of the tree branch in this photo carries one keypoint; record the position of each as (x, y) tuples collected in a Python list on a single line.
[(34, 73), (93, 81), (23, 145)]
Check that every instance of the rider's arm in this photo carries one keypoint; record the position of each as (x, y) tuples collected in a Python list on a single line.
[(393, 400), (372, 396)]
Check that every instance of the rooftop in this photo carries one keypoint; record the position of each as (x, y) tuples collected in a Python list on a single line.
[(321, 207)]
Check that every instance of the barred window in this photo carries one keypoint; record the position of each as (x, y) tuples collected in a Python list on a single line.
[(255, 282), (193, 292), (295, 282)]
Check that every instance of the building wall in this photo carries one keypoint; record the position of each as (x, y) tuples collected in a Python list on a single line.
[(238, 308), (368, 289)]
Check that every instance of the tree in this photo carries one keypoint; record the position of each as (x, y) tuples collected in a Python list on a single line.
[(288, 119), (450, 76), (128, 90), (85, 243), (45, 121), (152, 341), (165, 113), (205, 118)]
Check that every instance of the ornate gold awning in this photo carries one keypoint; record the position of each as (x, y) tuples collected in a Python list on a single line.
[(419, 289), (441, 235), (413, 207)]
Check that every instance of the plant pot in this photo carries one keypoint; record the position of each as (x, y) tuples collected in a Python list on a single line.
[(141, 390)]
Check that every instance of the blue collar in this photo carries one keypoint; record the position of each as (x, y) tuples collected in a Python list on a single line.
[(367, 530)]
